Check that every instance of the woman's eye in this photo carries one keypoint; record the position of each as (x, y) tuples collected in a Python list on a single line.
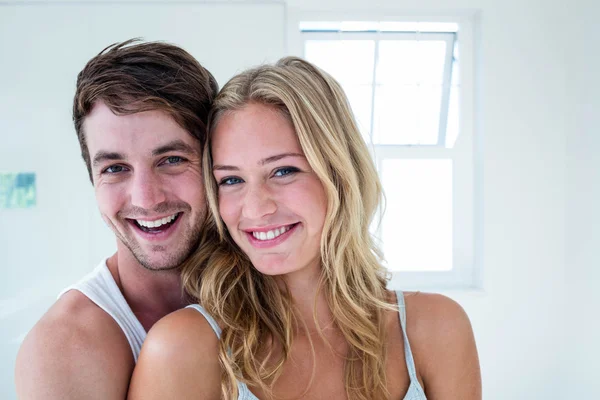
[(285, 171), (114, 169), (230, 181)]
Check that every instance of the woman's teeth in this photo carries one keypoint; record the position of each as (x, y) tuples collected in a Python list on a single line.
[(270, 235), (157, 223)]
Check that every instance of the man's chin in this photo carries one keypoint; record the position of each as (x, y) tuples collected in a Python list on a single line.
[(159, 264), (155, 257), (161, 257)]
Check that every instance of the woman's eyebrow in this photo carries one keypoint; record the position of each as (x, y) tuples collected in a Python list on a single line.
[(218, 167), (279, 157), (264, 161)]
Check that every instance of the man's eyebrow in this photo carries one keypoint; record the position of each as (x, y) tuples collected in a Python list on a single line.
[(264, 161), (102, 156), (175, 145)]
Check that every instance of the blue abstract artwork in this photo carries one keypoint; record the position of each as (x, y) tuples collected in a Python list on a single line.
[(17, 190)]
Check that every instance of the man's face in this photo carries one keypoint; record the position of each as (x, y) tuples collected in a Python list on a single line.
[(147, 176)]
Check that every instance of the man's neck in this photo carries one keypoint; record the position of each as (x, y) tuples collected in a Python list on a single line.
[(150, 294)]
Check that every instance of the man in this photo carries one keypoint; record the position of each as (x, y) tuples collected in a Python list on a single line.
[(140, 113)]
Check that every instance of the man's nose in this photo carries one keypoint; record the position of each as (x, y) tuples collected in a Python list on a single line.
[(147, 190)]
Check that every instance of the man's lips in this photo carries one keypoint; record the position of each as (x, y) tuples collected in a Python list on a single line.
[(156, 222), (156, 225)]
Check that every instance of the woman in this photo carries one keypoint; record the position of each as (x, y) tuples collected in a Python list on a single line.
[(293, 284)]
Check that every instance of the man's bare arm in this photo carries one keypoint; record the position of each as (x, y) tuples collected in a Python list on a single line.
[(75, 351)]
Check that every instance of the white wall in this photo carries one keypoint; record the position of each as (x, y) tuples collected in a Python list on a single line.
[(582, 298), (538, 118)]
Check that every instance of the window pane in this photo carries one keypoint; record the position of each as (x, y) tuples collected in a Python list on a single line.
[(417, 225), (360, 98), (350, 62), (397, 62), (407, 114), (411, 62), (395, 115)]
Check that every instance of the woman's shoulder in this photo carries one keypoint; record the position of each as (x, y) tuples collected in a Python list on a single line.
[(433, 318), (430, 317), (184, 339), (428, 308), (442, 343), (429, 311), (181, 331)]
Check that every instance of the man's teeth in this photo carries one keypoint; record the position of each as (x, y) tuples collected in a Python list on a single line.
[(156, 223), (270, 235)]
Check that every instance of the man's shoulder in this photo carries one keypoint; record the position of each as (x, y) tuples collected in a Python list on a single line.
[(69, 346), (75, 321), (76, 310)]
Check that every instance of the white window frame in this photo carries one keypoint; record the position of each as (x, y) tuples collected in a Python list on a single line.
[(466, 154)]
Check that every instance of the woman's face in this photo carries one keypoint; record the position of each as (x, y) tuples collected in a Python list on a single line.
[(270, 199)]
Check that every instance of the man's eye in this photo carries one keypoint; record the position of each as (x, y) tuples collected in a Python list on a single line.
[(285, 171), (114, 169), (174, 160), (230, 181)]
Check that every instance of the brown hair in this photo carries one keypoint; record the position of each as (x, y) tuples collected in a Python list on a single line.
[(132, 77)]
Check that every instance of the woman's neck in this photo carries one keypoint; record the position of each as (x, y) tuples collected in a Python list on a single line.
[(308, 297)]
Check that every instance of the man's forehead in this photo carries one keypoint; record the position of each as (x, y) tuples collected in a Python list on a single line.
[(102, 118), (143, 133)]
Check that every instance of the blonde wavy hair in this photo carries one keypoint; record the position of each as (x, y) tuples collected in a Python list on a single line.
[(255, 314)]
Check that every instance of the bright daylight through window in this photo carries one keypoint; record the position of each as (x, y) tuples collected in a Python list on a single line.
[(413, 102)]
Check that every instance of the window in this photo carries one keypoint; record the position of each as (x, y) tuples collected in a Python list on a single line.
[(410, 87)]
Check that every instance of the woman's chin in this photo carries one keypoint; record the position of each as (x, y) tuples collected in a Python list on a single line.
[(271, 270), (273, 265)]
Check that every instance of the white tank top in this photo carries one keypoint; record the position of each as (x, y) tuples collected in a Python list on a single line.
[(100, 287)]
